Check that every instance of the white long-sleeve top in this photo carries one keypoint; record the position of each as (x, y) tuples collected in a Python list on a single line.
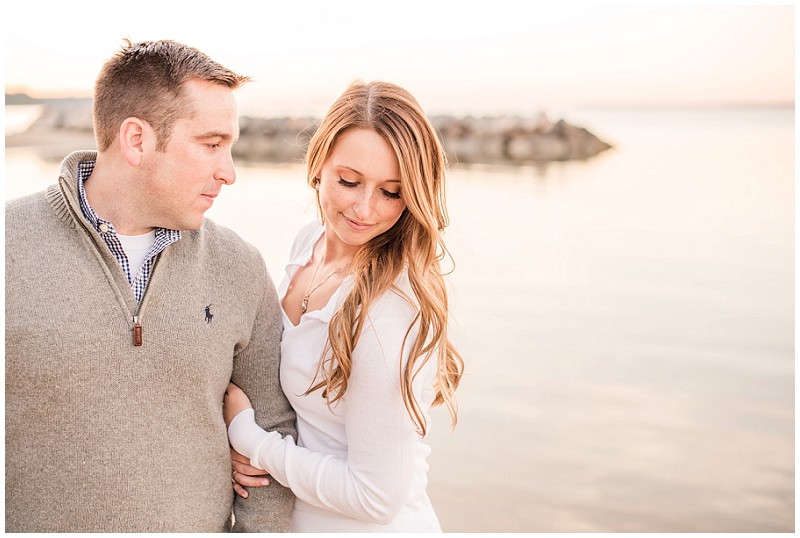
[(359, 464)]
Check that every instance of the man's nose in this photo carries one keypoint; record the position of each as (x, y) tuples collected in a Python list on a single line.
[(226, 171)]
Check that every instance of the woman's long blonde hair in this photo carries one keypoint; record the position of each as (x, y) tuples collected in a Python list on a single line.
[(415, 242)]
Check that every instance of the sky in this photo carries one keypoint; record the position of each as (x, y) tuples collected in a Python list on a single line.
[(488, 57)]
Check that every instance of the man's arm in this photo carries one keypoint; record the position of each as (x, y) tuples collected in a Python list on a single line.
[(256, 370)]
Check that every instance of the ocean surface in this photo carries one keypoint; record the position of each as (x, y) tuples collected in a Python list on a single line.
[(627, 323)]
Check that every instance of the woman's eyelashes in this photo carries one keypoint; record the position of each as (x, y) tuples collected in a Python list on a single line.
[(389, 194), (392, 195)]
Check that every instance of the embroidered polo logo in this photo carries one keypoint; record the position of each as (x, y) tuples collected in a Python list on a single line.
[(209, 315)]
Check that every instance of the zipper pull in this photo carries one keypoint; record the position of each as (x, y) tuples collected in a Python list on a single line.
[(137, 331)]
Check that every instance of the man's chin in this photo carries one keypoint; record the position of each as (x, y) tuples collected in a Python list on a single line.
[(194, 226), (186, 225)]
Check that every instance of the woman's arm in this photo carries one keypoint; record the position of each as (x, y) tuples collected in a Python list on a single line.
[(374, 482)]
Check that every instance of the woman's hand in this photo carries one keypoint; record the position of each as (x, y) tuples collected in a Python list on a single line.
[(245, 474), (234, 403)]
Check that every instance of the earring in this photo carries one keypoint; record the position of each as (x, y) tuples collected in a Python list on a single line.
[(316, 183)]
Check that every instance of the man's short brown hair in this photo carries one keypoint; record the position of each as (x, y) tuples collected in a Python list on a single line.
[(145, 80)]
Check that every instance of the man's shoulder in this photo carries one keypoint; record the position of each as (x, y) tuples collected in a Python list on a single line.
[(222, 240), (26, 202), (222, 234), (28, 207)]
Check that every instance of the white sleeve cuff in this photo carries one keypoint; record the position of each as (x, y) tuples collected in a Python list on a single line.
[(245, 435)]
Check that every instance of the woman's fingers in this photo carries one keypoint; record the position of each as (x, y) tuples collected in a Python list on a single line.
[(241, 464), (249, 470), (240, 491), (250, 481), (245, 474)]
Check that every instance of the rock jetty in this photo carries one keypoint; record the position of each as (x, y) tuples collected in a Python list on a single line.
[(515, 140), (511, 140)]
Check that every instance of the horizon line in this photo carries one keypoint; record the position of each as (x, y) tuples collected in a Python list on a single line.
[(26, 94)]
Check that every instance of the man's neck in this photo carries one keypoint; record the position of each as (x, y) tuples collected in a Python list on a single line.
[(113, 198)]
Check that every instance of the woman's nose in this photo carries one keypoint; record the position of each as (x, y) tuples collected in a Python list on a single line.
[(363, 205)]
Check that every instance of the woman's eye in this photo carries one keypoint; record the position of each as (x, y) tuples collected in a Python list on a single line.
[(344, 183), (392, 195)]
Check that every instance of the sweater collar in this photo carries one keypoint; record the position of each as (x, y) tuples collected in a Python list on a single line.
[(63, 197)]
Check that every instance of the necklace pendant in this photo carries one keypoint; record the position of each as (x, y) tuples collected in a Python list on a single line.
[(304, 304)]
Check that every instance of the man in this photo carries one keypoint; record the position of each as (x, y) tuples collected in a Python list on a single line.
[(127, 314)]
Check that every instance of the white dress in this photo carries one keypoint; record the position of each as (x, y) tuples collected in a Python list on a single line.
[(359, 465)]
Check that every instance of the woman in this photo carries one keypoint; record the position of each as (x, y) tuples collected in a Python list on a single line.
[(365, 352)]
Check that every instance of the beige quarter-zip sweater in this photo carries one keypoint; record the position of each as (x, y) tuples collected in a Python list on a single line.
[(103, 435)]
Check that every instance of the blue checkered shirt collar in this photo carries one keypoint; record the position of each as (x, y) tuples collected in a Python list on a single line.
[(164, 237)]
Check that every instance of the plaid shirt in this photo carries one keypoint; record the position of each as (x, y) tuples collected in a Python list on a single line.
[(164, 237)]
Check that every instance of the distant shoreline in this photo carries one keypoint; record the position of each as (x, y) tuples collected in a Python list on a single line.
[(468, 140), (58, 125), (13, 99), (21, 98)]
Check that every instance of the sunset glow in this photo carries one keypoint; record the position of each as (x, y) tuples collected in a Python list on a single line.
[(492, 57)]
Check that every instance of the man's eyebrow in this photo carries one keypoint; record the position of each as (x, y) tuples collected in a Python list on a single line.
[(362, 175), (216, 134)]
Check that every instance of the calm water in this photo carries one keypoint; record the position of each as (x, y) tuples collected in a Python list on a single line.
[(628, 325)]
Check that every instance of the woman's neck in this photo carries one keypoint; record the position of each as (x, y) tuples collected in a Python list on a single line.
[(335, 251)]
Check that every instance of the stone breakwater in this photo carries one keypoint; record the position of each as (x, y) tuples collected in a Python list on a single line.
[(511, 140)]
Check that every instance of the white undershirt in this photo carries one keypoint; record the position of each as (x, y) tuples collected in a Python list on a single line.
[(136, 248)]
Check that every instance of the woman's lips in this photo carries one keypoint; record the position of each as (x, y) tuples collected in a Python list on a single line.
[(356, 225)]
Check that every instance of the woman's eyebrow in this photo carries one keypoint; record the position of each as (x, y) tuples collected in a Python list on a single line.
[(362, 175)]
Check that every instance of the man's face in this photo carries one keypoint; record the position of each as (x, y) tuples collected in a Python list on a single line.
[(182, 181)]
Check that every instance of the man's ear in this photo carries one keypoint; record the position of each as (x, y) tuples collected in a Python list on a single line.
[(136, 137)]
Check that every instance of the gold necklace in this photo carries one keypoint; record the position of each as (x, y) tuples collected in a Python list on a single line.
[(304, 304)]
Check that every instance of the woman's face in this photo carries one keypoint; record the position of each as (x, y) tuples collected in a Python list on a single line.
[(359, 190)]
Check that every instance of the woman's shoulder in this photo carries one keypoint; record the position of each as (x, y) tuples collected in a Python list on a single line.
[(306, 237), (308, 232), (398, 302)]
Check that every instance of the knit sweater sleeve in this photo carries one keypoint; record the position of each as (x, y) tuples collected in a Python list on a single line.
[(256, 370), (374, 481)]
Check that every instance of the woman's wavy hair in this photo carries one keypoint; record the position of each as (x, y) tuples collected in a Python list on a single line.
[(415, 242)]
